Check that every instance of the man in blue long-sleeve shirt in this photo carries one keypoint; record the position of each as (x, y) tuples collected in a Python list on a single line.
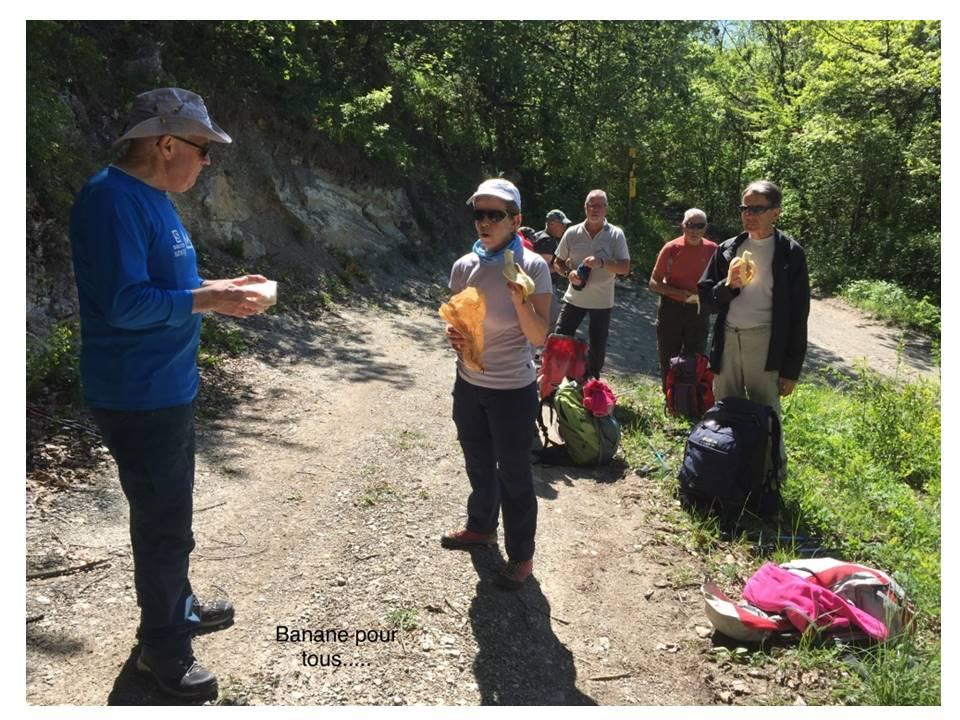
[(140, 303)]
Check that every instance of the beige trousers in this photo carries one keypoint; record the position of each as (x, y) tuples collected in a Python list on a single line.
[(743, 374)]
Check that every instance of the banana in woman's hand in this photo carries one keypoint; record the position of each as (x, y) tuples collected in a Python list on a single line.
[(749, 267), (515, 274)]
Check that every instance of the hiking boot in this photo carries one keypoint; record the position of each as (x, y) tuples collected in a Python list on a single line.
[(514, 574), (182, 677), (213, 614), (466, 539)]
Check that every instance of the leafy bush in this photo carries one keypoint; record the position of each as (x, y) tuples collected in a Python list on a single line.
[(891, 302), (53, 365), (900, 427)]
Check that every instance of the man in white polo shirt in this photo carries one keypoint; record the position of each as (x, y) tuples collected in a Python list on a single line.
[(599, 250)]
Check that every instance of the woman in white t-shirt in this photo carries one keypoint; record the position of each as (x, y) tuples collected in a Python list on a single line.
[(495, 409)]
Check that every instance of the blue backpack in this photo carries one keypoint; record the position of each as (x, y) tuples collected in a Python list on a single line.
[(732, 459)]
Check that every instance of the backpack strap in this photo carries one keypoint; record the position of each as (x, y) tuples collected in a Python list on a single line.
[(596, 426), (544, 432), (774, 448)]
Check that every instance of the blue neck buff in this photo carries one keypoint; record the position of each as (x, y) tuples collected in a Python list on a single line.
[(488, 257)]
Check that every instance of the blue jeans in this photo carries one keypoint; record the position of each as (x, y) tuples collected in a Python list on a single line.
[(154, 451), (495, 429)]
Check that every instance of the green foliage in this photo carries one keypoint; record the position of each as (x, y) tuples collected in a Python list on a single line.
[(378, 493), (891, 302), (219, 338), (902, 672), (646, 234), (845, 115), (651, 437), (359, 120), (53, 365), (865, 473), (403, 618), (351, 273), (408, 439), (58, 157)]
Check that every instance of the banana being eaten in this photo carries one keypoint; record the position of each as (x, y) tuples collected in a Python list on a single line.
[(515, 274), (749, 267)]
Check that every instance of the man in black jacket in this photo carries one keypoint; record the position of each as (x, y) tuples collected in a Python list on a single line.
[(760, 334)]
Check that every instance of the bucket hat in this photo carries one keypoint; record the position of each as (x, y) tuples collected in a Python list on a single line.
[(170, 111)]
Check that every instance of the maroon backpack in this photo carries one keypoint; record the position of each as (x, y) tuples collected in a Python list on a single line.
[(689, 386)]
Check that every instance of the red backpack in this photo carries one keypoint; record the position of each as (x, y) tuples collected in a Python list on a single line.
[(563, 356), (689, 385)]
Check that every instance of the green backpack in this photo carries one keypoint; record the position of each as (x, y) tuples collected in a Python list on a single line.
[(589, 440)]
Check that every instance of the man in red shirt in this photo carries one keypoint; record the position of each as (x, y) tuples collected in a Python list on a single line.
[(681, 327)]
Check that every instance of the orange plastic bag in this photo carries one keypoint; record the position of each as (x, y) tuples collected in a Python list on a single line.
[(465, 311)]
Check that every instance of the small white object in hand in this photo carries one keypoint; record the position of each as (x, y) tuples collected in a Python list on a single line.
[(266, 293)]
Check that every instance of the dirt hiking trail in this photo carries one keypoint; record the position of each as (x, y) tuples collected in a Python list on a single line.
[(321, 491)]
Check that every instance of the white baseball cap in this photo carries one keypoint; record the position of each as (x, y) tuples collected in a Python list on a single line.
[(498, 188)]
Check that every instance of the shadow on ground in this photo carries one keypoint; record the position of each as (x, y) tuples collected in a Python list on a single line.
[(52, 643), (632, 342), (549, 476), (133, 687), (818, 359), (520, 661)]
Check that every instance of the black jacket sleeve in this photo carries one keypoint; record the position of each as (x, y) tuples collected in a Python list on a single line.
[(796, 348), (712, 287)]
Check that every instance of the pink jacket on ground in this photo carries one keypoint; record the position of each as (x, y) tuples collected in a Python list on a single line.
[(807, 603)]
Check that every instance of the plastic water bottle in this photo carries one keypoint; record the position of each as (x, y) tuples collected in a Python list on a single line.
[(584, 272)]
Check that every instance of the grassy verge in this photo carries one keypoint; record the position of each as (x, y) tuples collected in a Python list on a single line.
[(864, 477), (891, 302)]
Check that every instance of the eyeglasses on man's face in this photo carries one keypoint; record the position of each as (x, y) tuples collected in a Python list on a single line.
[(596, 206), (695, 226), (755, 209), (494, 216), (204, 149)]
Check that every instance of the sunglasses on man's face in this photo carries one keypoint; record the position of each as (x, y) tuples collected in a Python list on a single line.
[(204, 149), (755, 209), (494, 216), (695, 226)]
